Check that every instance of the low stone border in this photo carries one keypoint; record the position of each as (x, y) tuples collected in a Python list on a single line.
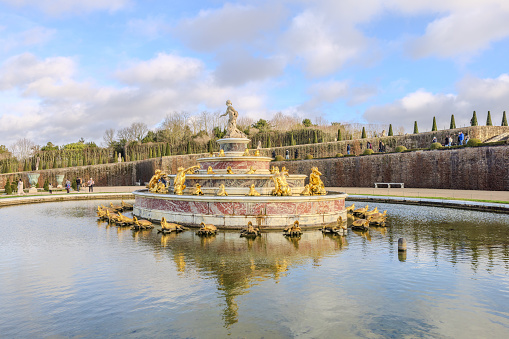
[(459, 204), (63, 197)]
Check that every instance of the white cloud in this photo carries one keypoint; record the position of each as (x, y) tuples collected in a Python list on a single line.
[(37, 35), (474, 94), (164, 70), (56, 7)]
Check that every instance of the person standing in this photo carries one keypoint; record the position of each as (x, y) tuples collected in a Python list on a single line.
[(296, 153), (287, 155), (68, 185), (273, 154), (91, 184), (78, 183), (20, 187), (461, 137), (348, 149)]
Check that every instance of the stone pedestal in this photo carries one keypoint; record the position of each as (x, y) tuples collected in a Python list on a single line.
[(233, 146)]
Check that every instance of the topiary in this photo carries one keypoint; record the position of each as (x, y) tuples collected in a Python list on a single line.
[(400, 148), (309, 156), (46, 185), (8, 188), (436, 145), (339, 155), (279, 158), (74, 185), (368, 152), (473, 142)]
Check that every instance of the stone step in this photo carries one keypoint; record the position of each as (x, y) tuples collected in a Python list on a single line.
[(500, 137)]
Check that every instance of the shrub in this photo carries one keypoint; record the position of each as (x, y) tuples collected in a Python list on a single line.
[(339, 155), (473, 142), (368, 152), (436, 145), (74, 185), (8, 188), (279, 158), (400, 148), (309, 156), (46, 185)]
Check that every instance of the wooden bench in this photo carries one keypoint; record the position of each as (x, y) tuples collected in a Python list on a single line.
[(390, 184)]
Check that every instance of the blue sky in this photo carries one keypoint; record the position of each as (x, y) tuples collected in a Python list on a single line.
[(72, 68)]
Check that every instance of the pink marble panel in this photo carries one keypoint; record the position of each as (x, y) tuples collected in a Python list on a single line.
[(305, 208), (199, 207), (240, 208), (221, 208), (325, 207), (339, 205), (281, 208), (256, 209)]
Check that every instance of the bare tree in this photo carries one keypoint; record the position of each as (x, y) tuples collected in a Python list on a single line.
[(138, 130), (109, 137), (23, 148), (284, 122)]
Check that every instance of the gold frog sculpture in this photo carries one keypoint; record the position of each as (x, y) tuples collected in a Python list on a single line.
[(253, 192), (222, 191)]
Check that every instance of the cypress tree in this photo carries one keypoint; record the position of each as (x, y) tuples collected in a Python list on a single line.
[(434, 128), (390, 131), (269, 145), (210, 149), (158, 152), (189, 147), (46, 185), (339, 134), (292, 140), (473, 121), (69, 162), (8, 188), (488, 120), (504, 120), (453, 122), (315, 137), (168, 152), (150, 153), (363, 135), (416, 129)]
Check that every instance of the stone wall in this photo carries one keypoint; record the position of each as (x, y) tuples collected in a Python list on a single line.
[(471, 168)]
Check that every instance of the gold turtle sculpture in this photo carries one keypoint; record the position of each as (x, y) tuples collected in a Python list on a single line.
[(141, 224), (368, 213), (222, 191), (112, 217), (116, 208), (253, 192), (197, 190), (251, 170), (126, 206), (350, 209), (293, 230), (168, 227), (229, 170), (101, 213), (210, 171), (250, 231), (377, 221), (360, 212), (246, 153), (207, 229), (375, 215), (124, 221), (337, 227), (360, 225)]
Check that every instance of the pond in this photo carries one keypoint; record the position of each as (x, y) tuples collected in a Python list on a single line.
[(64, 274)]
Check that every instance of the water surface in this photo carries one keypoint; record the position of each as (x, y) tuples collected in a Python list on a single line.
[(64, 274)]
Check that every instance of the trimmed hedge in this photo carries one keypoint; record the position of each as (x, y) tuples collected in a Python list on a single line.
[(400, 149)]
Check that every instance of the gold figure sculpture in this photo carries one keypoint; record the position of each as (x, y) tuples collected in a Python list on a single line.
[(251, 170), (197, 190), (293, 230), (281, 187), (250, 231), (306, 190), (210, 171), (315, 183), (253, 192), (231, 129), (180, 178), (222, 191), (273, 169), (246, 153), (257, 153), (229, 170), (221, 153), (157, 183)]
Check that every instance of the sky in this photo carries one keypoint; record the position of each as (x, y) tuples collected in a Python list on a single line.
[(71, 69)]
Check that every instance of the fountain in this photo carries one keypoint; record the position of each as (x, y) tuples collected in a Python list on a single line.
[(233, 187)]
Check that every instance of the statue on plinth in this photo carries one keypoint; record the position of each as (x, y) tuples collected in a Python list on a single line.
[(231, 129), (316, 185), (281, 187), (157, 183)]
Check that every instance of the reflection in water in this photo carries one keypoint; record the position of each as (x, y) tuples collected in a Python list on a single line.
[(73, 276)]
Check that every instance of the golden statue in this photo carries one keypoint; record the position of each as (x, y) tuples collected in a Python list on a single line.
[(231, 129), (197, 190), (221, 192), (246, 153), (180, 178), (251, 170), (315, 183), (281, 187), (157, 183), (274, 169), (229, 170), (210, 171), (257, 153), (306, 190), (252, 192), (221, 153)]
